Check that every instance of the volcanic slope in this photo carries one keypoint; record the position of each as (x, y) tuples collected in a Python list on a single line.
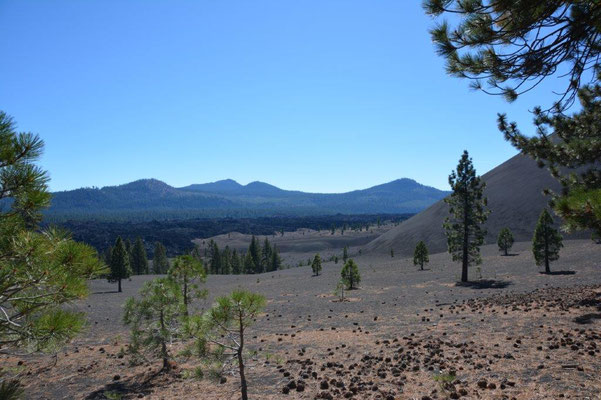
[(515, 198)]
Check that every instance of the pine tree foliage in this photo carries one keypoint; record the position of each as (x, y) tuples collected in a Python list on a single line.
[(316, 265), (41, 271), (119, 266), (345, 254), (546, 242), (350, 274), (223, 329), (139, 258), (188, 273), (154, 319), (570, 146), (505, 240), (160, 262), (420, 255), (467, 208), (509, 47)]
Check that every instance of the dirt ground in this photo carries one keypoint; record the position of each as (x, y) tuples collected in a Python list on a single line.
[(405, 334)]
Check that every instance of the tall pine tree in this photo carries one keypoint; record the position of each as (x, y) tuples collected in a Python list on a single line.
[(254, 250), (119, 266), (138, 258), (546, 242), (160, 263), (467, 208)]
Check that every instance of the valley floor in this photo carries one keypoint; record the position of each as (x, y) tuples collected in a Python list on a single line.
[(405, 334)]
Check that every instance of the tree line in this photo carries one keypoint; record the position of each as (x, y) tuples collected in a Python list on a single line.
[(257, 259)]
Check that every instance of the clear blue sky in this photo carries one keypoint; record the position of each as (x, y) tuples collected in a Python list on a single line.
[(323, 95)]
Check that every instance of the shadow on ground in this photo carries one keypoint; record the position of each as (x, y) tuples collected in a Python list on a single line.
[(558, 273), (141, 385), (485, 284)]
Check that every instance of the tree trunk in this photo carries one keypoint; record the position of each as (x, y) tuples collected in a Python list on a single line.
[(185, 298), (464, 260), (506, 251), (547, 268), (119, 284), (243, 388), (164, 355)]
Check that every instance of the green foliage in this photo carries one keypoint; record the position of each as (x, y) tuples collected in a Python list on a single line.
[(10, 389), (570, 146), (188, 273), (421, 255), (220, 332), (119, 266), (339, 290), (254, 250), (160, 263), (508, 47), (345, 254), (467, 209), (41, 271), (139, 259), (316, 265), (350, 274), (546, 242), (154, 319), (505, 240)]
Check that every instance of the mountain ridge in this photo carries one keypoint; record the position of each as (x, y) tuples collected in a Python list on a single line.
[(399, 196)]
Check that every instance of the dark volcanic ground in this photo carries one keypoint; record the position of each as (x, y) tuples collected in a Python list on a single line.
[(404, 334)]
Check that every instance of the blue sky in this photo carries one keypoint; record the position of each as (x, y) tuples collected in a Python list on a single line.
[(322, 96)]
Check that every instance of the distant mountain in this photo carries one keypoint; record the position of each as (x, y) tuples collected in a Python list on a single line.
[(153, 199)]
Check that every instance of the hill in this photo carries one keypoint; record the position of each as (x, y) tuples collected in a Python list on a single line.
[(515, 197), (153, 199)]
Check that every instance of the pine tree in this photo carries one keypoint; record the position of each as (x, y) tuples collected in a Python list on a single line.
[(154, 319), (467, 208), (249, 265), (41, 269), (391, 253), (197, 252), (188, 273), (546, 242), (505, 240), (316, 265), (420, 255), (160, 263), (214, 258), (226, 261), (476, 49), (254, 249), (225, 326), (236, 263), (266, 255), (350, 274), (345, 254), (276, 260), (120, 268), (139, 258)]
